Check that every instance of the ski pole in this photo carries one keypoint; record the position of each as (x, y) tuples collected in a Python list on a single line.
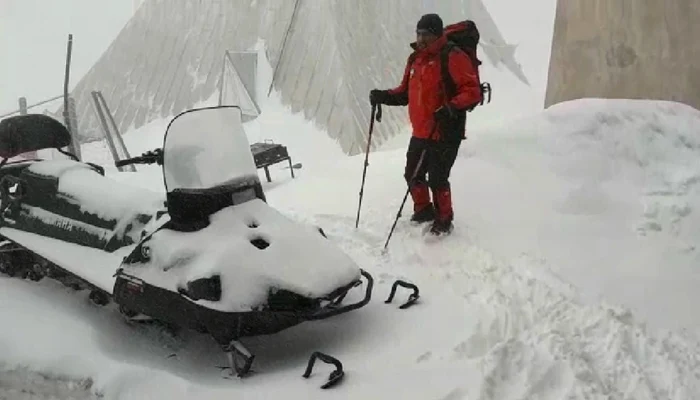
[(405, 197), (376, 109), (408, 190)]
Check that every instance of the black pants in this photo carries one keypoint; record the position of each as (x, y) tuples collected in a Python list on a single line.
[(437, 162)]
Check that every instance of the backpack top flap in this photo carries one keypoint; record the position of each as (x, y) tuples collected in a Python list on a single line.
[(466, 36)]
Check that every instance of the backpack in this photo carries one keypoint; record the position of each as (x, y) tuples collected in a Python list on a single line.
[(465, 36)]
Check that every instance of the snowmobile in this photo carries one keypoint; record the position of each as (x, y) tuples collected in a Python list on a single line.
[(211, 255)]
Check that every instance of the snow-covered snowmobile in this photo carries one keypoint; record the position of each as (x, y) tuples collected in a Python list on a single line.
[(211, 255)]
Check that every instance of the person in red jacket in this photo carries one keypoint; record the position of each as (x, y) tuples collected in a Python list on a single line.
[(438, 122)]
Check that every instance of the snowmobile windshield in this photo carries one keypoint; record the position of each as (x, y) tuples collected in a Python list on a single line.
[(206, 148)]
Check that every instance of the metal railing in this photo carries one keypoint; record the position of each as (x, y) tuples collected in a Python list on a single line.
[(24, 108)]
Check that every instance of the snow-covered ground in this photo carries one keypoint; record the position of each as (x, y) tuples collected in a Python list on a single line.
[(571, 274)]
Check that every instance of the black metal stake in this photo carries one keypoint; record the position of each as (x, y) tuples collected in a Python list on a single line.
[(335, 376), (411, 299)]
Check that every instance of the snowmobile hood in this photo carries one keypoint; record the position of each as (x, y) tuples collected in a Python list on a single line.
[(254, 249)]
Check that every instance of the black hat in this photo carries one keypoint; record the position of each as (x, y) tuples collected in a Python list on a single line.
[(431, 23)]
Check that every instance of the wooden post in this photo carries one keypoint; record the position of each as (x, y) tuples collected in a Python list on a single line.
[(105, 128), (23, 106), (74, 147), (23, 110), (117, 134), (75, 134)]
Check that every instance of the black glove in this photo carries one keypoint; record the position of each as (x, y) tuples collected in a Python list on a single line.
[(446, 118), (377, 96), (445, 113)]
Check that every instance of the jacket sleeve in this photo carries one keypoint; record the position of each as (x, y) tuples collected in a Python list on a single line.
[(398, 96), (466, 81)]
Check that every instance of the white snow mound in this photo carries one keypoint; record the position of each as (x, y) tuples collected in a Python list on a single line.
[(296, 257)]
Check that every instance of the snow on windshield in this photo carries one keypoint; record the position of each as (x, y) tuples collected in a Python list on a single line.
[(205, 148)]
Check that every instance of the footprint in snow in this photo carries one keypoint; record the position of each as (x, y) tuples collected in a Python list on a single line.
[(424, 357), (456, 394)]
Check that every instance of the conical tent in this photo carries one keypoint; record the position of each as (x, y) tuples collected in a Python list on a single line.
[(325, 56)]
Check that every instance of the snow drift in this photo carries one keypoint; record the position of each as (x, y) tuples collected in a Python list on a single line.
[(601, 148), (606, 189)]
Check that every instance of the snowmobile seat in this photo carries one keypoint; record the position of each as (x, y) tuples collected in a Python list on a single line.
[(54, 191), (32, 132), (189, 209), (42, 184)]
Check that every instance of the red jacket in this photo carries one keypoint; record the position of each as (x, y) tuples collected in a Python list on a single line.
[(422, 84)]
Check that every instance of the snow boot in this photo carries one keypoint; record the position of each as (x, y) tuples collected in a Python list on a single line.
[(427, 214), (423, 210), (441, 227), (444, 215)]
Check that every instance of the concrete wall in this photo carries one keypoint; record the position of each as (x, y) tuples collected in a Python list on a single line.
[(169, 57), (639, 49)]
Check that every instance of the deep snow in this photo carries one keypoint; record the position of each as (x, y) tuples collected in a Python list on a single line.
[(572, 273), (525, 300)]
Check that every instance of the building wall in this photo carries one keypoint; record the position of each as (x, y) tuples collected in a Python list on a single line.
[(638, 49)]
